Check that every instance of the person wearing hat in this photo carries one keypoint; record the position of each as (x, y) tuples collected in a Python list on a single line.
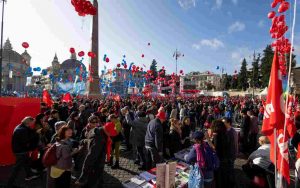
[(154, 140), (98, 145), (198, 154)]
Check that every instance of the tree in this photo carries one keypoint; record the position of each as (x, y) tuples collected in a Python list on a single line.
[(254, 72), (288, 61), (266, 64), (226, 82), (243, 76), (153, 68), (209, 86)]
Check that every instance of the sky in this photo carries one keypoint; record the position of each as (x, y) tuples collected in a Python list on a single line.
[(209, 33)]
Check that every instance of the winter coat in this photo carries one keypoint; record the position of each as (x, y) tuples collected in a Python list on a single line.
[(24, 139), (63, 153), (174, 142), (154, 135), (138, 130)]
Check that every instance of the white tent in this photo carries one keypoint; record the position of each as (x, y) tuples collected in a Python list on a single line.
[(264, 92)]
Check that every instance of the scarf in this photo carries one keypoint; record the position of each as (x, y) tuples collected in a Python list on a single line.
[(200, 158)]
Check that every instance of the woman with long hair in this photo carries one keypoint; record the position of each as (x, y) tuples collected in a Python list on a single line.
[(175, 137), (61, 172), (186, 131), (74, 123)]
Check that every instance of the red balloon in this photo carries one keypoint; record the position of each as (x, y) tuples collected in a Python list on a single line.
[(107, 60), (91, 54), (143, 55), (271, 14), (72, 50), (284, 6), (81, 53), (118, 65), (25, 45)]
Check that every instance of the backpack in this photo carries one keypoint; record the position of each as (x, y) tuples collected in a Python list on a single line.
[(212, 161), (50, 157)]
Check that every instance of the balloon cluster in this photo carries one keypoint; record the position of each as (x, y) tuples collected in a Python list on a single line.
[(278, 30), (84, 7)]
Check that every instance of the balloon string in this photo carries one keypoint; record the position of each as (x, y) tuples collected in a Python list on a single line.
[(289, 76)]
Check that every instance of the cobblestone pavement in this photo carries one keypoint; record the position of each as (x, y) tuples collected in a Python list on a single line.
[(114, 178)]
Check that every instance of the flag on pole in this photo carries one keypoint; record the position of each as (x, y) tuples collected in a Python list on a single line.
[(47, 98), (67, 98), (274, 118), (177, 54)]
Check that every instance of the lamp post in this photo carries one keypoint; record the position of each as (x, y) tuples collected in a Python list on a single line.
[(1, 46)]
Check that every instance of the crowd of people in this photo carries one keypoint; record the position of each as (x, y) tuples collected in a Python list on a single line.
[(86, 135)]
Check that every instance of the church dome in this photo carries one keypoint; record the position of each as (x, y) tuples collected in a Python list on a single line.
[(71, 64)]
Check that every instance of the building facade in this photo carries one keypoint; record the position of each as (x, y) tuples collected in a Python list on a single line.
[(66, 73), (202, 81), (14, 69)]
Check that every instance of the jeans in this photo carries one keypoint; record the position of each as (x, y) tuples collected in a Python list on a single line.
[(22, 161), (153, 157), (140, 155)]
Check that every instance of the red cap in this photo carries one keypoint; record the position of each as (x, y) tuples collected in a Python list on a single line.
[(110, 128), (161, 115)]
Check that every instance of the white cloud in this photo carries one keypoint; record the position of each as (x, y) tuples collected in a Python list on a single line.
[(218, 4), (238, 55), (261, 23), (213, 44), (236, 27), (186, 4), (235, 2)]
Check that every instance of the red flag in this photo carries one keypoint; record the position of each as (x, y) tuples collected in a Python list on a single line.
[(47, 98), (67, 97), (274, 117)]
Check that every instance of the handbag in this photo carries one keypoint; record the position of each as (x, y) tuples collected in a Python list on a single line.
[(196, 179)]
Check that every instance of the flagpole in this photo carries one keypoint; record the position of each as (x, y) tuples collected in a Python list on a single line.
[(275, 155), (288, 81), (176, 59)]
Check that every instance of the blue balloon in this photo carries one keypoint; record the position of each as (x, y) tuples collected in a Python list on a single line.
[(218, 67), (44, 72), (34, 69)]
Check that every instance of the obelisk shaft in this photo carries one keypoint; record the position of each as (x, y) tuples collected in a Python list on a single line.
[(93, 84)]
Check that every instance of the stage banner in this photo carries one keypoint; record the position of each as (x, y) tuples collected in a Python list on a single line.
[(12, 111)]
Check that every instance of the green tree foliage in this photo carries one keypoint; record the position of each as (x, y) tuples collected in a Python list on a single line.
[(254, 73), (153, 68), (266, 64), (243, 76)]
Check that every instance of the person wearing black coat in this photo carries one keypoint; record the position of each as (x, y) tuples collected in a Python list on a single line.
[(222, 146), (24, 140), (245, 131), (93, 167), (175, 137)]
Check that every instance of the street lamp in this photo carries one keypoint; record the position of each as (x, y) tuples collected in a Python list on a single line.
[(1, 46)]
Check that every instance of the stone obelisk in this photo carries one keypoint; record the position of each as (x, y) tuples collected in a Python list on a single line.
[(93, 86)]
